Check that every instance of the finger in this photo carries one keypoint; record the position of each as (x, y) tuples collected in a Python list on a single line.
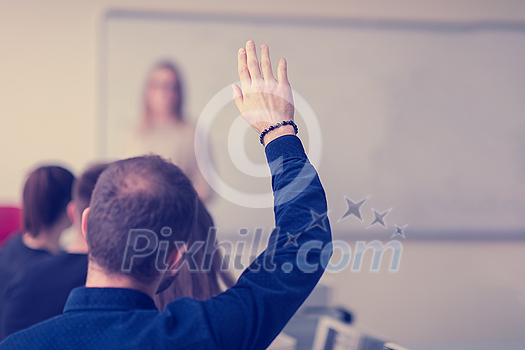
[(266, 64), (251, 58), (244, 74), (237, 96), (282, 74)]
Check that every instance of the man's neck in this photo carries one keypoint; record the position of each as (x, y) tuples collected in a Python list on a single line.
[(79, 245), (97, 277)]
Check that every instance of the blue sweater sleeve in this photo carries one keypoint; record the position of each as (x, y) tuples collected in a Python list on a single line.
[(270, 291)]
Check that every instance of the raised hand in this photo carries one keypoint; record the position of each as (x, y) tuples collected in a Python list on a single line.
[(263, 100)]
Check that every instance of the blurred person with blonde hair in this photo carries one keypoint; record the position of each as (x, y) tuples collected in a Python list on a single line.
[(164, 129)]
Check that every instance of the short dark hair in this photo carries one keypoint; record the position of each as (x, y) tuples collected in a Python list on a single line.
[(84, 185), (138, 193), (47, 192)]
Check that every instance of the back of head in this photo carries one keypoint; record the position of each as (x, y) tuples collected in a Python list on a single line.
[(84, 185), (143, 193), (47, 192)]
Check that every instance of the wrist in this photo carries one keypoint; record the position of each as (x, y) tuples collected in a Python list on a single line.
[(276, 133), (284, 128)]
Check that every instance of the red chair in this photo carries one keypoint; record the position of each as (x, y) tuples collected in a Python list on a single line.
[(10, 221)]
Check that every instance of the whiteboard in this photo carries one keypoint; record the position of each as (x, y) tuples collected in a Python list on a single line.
[(425, 119)]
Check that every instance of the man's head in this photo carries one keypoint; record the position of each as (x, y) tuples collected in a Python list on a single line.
[(85, 184), (82, 190), (143, 193)]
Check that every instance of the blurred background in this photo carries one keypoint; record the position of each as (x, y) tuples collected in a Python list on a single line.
[(420, 104)]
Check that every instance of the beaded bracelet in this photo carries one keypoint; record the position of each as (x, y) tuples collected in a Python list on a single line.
[(278, 125)]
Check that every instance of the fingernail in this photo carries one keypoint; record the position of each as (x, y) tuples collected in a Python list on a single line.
[(241, 51)]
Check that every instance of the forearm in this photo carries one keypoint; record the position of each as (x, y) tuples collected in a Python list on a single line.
[(299, 199), (297, 191)]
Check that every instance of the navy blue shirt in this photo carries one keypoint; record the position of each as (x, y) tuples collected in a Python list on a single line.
[(40, 291), (247, 316)]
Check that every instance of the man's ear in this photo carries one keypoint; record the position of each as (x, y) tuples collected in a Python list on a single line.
[(175, 259), (84, 221)]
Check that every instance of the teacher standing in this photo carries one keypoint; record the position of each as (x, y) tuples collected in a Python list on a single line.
[(163, 129)]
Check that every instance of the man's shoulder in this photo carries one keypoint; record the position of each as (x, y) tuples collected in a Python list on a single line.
[(107, 318), (118, 329), (40, 336)]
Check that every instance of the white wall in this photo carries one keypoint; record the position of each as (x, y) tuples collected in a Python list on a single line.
[(48, 111), (49, 65), (470, 291), (427, 121)]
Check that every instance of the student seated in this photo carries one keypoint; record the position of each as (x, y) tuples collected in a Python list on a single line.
[(41, 291), (46, 194), (143, 208)]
